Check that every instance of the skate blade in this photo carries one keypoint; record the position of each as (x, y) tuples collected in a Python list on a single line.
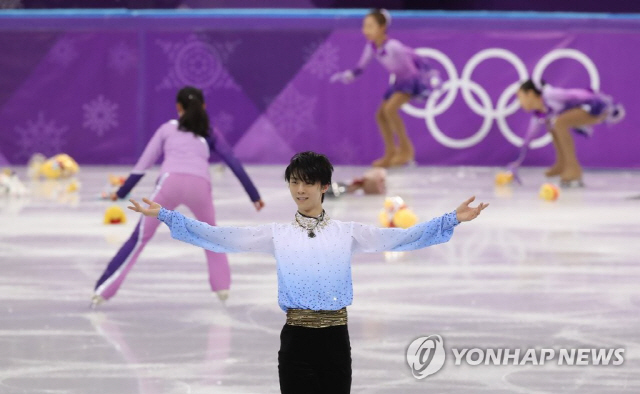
[(223, 295), (409, 164), (575, 183), (96, 300)]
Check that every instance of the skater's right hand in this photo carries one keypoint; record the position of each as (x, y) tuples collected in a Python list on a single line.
[(343, 76), (153, 209)]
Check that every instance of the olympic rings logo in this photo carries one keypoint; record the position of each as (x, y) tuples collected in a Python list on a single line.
[(485, 107)]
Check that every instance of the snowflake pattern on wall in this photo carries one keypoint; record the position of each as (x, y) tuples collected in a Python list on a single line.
[(40, 136), (293, 113), (223, 122), (321, 59), (122, 57), (63, 52), (197, 63), (100, 115), (225, 49)]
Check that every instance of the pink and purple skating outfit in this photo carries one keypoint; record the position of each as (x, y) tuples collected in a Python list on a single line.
[(184, 180), (413, 74), (558, 100)]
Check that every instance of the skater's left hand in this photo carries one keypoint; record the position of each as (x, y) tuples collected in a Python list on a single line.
[(465, 213), (258, 204), (153, 210)]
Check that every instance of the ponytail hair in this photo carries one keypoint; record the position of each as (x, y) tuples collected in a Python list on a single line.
[(194, 118), (530, 85)]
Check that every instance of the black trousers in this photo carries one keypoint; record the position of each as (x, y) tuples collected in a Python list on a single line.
[(314, 360)]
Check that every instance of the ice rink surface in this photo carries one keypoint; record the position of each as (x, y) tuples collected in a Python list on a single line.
[(528, 273)]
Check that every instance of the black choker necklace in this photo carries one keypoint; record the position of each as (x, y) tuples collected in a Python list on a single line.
[(307, 222)]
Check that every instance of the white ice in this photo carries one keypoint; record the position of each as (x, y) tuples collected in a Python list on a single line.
[(527, 273)]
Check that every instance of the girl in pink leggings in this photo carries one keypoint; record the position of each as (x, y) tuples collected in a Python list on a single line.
[(186, 145)]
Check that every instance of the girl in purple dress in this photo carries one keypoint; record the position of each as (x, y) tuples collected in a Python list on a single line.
[(185, 144), (559, 111), (414, 78)]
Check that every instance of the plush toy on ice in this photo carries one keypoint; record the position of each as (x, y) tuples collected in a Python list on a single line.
[(10, 184), (373, 181), (60, 166), (115, 182), (114, 215), (549, 192), (396, 214), (504, 178)]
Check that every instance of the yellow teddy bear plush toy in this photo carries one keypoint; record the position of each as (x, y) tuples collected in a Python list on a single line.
[(396, 214)]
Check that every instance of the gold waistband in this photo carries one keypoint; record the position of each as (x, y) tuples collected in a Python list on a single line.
[(316, 319)]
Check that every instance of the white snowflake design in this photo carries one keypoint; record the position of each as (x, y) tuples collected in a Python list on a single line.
[(321, 59), (223, 121), (292, 112), (225, 49), (197, 63), (40, 136), (100, 115), (64, 52), (122, 57)]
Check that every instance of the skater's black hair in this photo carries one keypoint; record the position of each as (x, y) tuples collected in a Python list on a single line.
[(194, 118), (379, 16), (529, 85), (309, 167)]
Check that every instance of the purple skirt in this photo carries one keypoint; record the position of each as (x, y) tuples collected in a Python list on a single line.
[(594, 106), (420, 85), (415, 87)]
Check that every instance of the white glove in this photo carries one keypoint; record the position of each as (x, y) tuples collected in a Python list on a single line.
[(435, 81), (343, 76), (433, 78)]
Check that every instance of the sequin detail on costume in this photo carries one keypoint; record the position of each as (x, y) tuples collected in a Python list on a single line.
[(310, 224)]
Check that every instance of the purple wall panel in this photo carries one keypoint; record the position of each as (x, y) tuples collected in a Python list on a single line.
[(97, 87)]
